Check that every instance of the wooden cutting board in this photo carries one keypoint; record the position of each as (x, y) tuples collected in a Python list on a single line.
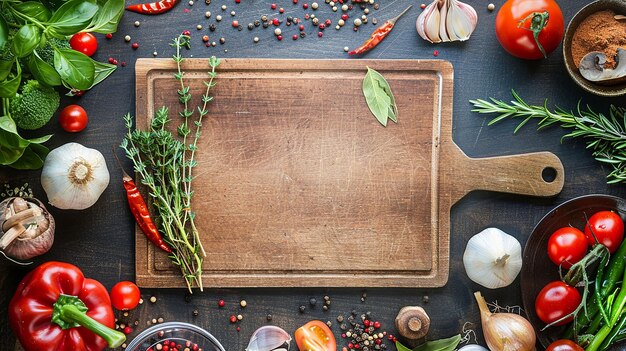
[(298, 185)]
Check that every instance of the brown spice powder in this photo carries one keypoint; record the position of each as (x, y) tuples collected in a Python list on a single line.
[(599, 32)]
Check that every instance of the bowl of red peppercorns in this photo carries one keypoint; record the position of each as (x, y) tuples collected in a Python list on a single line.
[(175, 336)]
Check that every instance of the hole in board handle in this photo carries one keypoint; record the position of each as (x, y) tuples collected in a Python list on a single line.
[(548, 174)]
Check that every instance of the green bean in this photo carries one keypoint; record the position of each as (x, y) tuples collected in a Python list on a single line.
[(598, 282), (612, 337)]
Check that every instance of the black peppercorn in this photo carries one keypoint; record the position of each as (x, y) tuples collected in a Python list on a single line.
[(222, 40), (302, 34), (212, 27), (302, 309), (257, 23), (266, 24), (268, 317), (312, 301), (250, 26), (289, 19), (195, 313)]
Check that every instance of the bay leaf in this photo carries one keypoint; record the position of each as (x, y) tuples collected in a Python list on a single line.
[(379, 97)]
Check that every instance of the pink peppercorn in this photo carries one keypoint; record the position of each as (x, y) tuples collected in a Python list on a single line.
[(221, 303), (328, 22), (186, 32), (378, 341), (436, 53), (235, 24), (237, 1), (280, 37), (275, 21), (295, 1), (109, 36), (127, 330), (306, 16), (350, 345), (165, 348), (233, 319), (238, 329), (344, 16), (322, 27), (273, 6), (366, 323), (422, 6), (294, 37), (301, 27), (320, 34), (305, 6), (172, 344), (376, 325), (281, 10), (123, 64), (135, 46), (343, 335)]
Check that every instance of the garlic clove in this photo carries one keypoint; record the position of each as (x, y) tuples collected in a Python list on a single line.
[(447, 20), (493, 258), (269, 338)]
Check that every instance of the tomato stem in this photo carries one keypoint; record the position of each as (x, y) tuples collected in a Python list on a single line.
[(538, 21)]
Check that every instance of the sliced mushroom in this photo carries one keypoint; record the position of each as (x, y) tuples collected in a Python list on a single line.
[(412, 322), (592, 67)]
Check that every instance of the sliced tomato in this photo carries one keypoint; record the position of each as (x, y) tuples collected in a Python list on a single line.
[(315, 336)]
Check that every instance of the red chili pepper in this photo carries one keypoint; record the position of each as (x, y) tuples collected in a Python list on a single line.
[(142, 215), (153, 8), (56, 308), (379, 34), (140, 211)]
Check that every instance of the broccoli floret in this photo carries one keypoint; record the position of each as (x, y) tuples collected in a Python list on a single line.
[(34, 107), (5, 51), (46, 52)]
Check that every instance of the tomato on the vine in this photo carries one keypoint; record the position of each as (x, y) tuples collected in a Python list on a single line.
[(530, 29), (607, 227), (125, 295), (555, 301), (315, 336), (84, 42), (73, 118), (567, 246), (564, 345)]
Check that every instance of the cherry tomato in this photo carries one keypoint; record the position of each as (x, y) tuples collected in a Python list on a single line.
[(84, 42), (315, 336), (125, 296), (555, 301), (564, 345), (518, 20), (607, 227), (73, 118), (567, 246)]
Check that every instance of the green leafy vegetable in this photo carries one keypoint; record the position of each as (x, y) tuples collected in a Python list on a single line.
[(72, 17), (9, 87), (604, 135), (74, 67), (448, 344), (379, 97), (26, 40), (107, 19), (4, 32), (34, 10), (16, 151), (42, 71)]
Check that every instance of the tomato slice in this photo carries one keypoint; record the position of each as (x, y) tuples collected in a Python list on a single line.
[(315, 336)]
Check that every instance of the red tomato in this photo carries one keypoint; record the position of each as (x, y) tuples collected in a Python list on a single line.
[(73, 118), (555, 301), (517, 21), (85, 43), (125, 295), (564, 345), (567, 246), (607, 227), (315, 336)]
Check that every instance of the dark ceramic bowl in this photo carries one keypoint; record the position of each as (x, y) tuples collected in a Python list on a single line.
[(538, 270), (619, 7)]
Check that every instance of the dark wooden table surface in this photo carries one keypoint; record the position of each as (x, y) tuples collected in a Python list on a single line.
[(100, 239)]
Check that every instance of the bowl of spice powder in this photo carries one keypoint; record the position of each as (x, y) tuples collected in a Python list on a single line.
[(597, 27)]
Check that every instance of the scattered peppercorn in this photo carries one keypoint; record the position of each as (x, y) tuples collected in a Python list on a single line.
[(233, 319), (491, 7), (186, 32), (135, 46), (305, 6), (325, 307), (218, 18), (238, 329), (109, 36), (205, 38), (224, 7), (302, 308), (278, 31), (273, 6), (195, 313), (346, 49), (221, 303), (127, 38), (312, 301), (275, 22), (222, 40), (207, 14), (137, 23), (425, 299), (268, 317), (212, 27), (294, 37), (235, 24), (250, 26), (281, 10), (243, 303), (280, 37)]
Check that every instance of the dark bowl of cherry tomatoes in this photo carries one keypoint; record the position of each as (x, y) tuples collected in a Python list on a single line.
[(563, 237)]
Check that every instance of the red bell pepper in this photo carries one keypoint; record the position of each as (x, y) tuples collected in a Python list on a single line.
[(55, 308)]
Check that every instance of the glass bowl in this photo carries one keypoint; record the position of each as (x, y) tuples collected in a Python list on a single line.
[(181, 333)]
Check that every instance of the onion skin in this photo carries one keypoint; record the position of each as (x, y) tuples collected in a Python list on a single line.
[(505, 331)]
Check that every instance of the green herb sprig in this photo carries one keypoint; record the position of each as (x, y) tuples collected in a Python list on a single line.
[(165, 163), (604, 135), (379, 97)]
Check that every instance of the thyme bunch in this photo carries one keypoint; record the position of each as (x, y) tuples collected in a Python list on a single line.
[(604, 135), (165, 163)]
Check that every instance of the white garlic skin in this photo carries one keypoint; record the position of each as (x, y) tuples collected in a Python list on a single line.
[(74, 176), (481, 258), (446, 20)]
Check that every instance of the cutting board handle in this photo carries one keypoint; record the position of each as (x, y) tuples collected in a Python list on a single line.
[(516, 174)]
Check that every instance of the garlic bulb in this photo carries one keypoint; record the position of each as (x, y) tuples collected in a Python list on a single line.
[(269, 338), (505, 331), (447, 20), (74, 176), (492, 258), (473, 347), (27, 229)]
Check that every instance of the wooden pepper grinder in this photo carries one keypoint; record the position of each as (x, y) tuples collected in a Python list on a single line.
[(412, 323)]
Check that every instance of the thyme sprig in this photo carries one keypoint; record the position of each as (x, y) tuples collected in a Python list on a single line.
[(604, 135), (165, 163)]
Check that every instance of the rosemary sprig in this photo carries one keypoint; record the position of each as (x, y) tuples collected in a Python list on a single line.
[(604, 135), (165, 162)]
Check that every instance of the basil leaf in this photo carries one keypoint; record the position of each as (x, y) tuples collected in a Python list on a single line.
[(29, 159), (11, 144), (4, 32), (448, 344), (74, 67), (33, 9), (72, 17), (377, 99), (103, 70), (401, 347), (107, 19), (53, 4), (26, 40), (9, 87), (40, 140), (5, 69), (42, 71)]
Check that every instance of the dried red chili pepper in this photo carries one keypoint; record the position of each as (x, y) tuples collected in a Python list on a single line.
[(378, 35), (153, 8), (140, 211)]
